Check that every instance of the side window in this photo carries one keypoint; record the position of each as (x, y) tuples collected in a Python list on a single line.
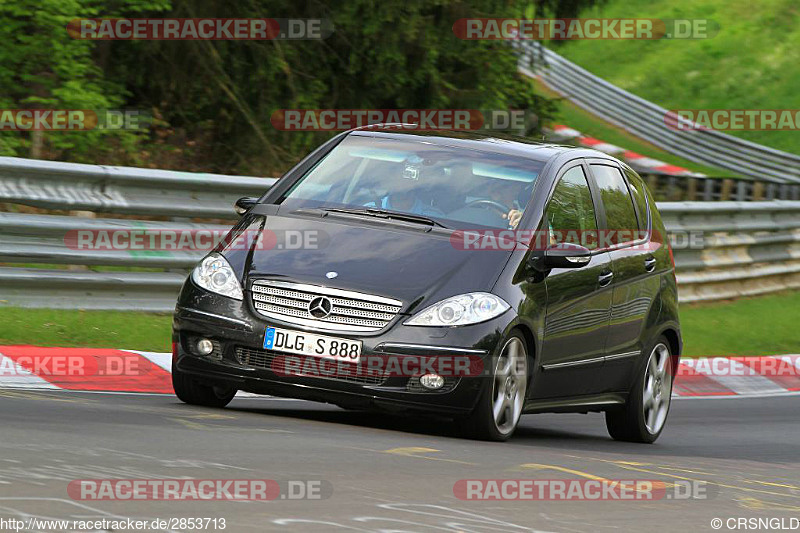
[(570, 213), (639, 197), (620, 215)]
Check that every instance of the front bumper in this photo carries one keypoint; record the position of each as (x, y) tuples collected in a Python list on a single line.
[(236, 328)]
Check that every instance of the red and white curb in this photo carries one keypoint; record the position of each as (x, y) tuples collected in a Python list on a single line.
[(133, 371), (563, 133), (738, 376), (85, 369)]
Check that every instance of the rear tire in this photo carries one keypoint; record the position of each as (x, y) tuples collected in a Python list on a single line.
[(193, 392), (644, 415), (503, 397)]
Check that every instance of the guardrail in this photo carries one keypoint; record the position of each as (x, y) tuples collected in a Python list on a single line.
[(672, 188), (742, 248), (123, 190), (648, 120), (68, 289), (27, 238), (748, 247)]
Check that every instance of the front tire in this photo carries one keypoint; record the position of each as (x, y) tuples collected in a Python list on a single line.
[(644, 415), (500, 405), (193, 392)]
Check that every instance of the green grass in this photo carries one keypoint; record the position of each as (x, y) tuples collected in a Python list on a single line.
[(764, 325), (753, 62), (591, 125), (95, 329)]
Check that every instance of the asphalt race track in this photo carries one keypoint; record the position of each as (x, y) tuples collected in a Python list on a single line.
[(387, 473)]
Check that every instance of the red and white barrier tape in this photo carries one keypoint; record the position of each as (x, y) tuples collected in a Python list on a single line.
[(637, 160)]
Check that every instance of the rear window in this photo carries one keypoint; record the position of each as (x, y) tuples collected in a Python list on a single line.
[(620, 213), (639, 197), (571, 210)]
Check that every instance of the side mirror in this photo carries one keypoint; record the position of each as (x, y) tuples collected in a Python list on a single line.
[(566, 255), (243, 205)]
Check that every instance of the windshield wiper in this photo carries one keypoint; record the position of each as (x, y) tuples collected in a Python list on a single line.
[(387, 214)]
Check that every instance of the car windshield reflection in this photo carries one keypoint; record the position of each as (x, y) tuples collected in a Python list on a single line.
[(453, 186)]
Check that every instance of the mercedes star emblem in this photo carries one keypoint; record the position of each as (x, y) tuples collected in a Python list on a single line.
[(320, 307)]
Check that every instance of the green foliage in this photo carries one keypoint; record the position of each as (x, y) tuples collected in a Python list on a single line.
[(42, 67), (212, 100), (381, 55)]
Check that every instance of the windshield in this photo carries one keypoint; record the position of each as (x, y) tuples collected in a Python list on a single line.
[(454, 186)]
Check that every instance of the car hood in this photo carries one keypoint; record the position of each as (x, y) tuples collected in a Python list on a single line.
[(409, 262)]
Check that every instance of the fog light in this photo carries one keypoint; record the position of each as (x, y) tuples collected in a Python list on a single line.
[(432, 381), (204, 347)]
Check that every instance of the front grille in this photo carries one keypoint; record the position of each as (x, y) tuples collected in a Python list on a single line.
[(349, 311), (264, 359)]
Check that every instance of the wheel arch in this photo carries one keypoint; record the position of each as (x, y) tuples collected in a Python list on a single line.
[(530, 346), (675, 345)]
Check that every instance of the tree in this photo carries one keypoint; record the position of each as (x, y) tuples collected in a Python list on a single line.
[(381, 55), (42, 67), (212, 100)]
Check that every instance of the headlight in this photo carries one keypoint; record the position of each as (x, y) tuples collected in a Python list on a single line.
[(461, 310), (216, 275)]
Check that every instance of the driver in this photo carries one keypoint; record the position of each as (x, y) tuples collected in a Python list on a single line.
[(408, 201), (406, 195), (506, 192)]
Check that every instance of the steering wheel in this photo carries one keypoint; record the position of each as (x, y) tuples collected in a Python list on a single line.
[(497, 206)]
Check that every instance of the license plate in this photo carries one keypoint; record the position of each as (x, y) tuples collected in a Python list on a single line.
[(300, 342)]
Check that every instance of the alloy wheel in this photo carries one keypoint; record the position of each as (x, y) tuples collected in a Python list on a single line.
[(510, 385), (657, 388)]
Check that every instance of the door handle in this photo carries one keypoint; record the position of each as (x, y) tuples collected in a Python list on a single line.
[(650, 264), (605, 278)]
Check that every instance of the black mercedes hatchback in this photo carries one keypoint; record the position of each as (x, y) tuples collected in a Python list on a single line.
[(468, 276)]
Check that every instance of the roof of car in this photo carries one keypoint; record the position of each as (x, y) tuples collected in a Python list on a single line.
[(495, 142)]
